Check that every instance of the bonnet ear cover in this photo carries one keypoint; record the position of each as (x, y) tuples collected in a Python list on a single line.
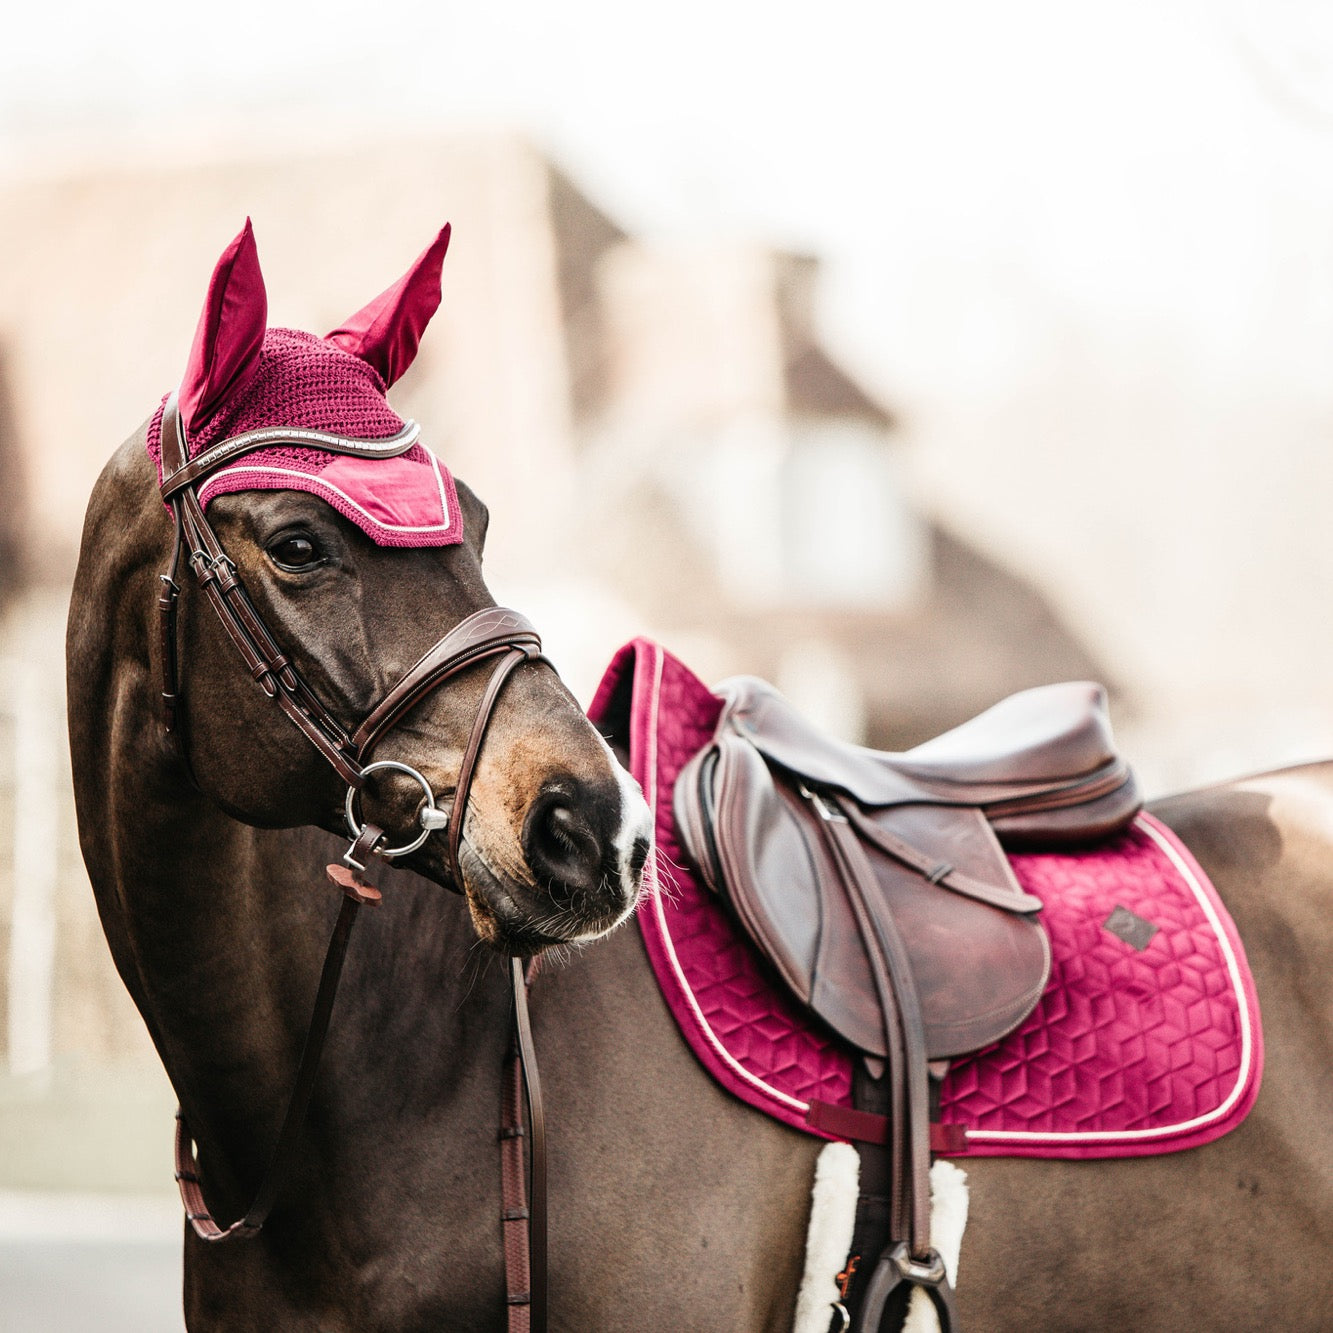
[(225, 354), (386, 333), (244, 377)]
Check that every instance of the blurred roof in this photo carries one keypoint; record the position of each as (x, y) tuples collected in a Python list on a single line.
[(530, 340), (818, 386)]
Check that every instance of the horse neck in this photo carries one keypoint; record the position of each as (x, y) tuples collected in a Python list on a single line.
[(227, 926), (219, 929)]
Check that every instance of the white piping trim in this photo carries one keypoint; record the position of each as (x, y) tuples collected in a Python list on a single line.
[(712, 1038), (997, 1135), (388, 446), (315, 478)]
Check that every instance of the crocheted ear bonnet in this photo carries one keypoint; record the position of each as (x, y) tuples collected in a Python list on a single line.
[(244, 376)]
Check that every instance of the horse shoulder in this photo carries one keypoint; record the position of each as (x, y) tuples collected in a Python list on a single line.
[(673, 1204)]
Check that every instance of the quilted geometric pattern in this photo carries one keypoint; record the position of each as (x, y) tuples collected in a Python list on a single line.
[(750, 1034), (1129, 1051)]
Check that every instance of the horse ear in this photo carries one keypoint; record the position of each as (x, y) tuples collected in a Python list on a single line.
[(385, 334), (225, 354)]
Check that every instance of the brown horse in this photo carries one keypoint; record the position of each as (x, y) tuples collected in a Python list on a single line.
[(673, 1207)]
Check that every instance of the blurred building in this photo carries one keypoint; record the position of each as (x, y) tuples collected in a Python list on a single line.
[(665, 444)]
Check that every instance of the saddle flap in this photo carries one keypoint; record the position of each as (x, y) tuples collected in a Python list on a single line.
[(979, 968)]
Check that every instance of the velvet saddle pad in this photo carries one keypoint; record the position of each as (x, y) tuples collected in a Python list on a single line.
[(1146, 1039)]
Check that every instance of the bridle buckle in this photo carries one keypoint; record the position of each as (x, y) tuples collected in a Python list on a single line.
[(209, 566)]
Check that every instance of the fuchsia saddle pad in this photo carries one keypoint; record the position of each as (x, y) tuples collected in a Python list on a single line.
[(1146, 1039)]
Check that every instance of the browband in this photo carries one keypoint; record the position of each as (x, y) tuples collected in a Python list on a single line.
[(179, 472)]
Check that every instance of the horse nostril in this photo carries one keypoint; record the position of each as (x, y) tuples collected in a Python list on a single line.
[(638, 857), (560, 843)]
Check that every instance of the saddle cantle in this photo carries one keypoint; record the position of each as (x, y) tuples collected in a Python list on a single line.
[(1038, 769), (877, 886), (1041, 763)]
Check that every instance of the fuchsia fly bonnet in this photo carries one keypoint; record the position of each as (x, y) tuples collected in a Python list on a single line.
[(305, 391)]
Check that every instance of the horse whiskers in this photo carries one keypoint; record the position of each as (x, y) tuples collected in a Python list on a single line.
[(665, 877), (563, 904), (567, 928), (476, 964), (559, 955)]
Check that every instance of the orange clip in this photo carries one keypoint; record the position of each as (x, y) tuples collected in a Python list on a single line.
[(844, 1279)]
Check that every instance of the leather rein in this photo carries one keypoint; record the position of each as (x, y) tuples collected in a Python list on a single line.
[(492, 634)]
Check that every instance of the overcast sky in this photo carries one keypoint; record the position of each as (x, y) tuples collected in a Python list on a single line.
[(1146, 154), (1083, 249)]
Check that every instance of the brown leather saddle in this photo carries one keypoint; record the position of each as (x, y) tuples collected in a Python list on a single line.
[(878, 887)]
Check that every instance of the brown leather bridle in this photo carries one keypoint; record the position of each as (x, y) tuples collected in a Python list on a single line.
[(493, 633)]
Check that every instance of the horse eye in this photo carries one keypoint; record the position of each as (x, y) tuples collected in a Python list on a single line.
[(296, 552)]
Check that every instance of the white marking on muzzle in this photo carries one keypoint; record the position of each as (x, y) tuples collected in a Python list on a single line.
[(636, 822)]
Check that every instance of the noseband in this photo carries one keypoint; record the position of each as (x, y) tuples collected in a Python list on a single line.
[(492, 633)]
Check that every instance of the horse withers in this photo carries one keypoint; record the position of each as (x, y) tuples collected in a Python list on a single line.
[(673, 1205)]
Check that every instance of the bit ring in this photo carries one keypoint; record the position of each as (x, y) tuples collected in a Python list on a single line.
[(354, 827)]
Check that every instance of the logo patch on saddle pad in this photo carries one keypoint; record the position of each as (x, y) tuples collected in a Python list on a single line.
[(1146, 1041), (1130, 927), (317, 404)]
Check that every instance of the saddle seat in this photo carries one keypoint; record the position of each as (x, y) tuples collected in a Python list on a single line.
[(1041, 764), (1045, 734)]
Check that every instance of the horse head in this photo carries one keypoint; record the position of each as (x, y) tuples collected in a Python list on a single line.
[(358, 551)]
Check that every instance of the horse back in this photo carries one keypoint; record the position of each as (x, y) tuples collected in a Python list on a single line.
[(1190, 1224)]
